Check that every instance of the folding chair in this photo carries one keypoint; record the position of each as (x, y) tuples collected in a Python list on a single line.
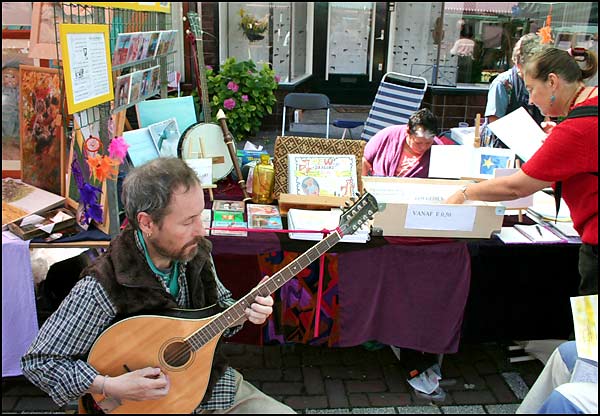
[(398, 96), (306, 101)]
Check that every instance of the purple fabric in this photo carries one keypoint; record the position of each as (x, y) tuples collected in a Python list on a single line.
[(255, 243), (384, 149), (19, 314), (409, 296)]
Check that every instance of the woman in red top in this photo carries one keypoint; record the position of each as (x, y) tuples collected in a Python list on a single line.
[(569, 154)]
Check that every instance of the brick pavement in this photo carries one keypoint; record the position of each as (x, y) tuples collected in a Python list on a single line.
[(477, 379)]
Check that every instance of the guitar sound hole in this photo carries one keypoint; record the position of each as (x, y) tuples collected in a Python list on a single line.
[(177, 354)]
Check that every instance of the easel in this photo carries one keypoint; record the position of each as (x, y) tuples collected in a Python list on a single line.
[(520, 210), (202, 154)]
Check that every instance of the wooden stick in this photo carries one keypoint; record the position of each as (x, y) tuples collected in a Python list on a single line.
[(228, 137), (520, 214)]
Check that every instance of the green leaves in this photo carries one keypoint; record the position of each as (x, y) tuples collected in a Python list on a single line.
[(252, 93)]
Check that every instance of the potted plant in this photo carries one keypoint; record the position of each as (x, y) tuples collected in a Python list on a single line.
[(252, 27), (245, 93)]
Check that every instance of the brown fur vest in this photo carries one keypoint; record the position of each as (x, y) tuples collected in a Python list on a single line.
[(134, 289)]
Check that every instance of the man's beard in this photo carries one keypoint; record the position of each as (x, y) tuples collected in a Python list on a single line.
[(178, 255)]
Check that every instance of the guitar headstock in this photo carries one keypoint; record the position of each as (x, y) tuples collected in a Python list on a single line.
[(357, 214), (195, 24)]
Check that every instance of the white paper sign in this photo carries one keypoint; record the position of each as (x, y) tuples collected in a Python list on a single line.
[(390, 192), (87, 53), (203, 168), (519, 132), (440, 217)]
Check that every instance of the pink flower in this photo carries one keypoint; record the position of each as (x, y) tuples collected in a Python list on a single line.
[(249, 71), (209, 67), (232, 86), (229, 103), (277, 78), (244, 98)]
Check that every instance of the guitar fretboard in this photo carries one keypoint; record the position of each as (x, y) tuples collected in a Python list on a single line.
[(235, 312)]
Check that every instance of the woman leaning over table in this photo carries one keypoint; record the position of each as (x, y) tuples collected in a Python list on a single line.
[(569, 154)]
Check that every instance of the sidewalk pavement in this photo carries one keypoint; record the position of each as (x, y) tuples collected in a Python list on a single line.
[(314, 379)]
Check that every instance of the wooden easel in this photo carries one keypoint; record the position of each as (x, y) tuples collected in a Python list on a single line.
[(477, 138), (201, 153)]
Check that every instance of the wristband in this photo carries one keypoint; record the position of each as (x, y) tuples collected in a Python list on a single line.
[(463, 190), (104, 384)]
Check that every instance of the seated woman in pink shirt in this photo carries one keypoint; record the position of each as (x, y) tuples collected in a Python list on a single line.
[(402, 150)]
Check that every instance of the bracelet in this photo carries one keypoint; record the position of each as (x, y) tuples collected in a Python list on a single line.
[(103, 384)]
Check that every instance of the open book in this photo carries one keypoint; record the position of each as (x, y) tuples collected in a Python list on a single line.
[(305, 219)]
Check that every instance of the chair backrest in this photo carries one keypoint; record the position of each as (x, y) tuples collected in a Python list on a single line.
[(305, 101), (398, 96)]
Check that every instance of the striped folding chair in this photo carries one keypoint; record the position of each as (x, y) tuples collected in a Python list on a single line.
[(398, 96)]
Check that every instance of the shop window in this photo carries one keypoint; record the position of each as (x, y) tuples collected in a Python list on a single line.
[(426, 38), (277, 33)]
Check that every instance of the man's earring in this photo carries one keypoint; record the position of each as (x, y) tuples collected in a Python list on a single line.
[(148, 235), (552, 99)]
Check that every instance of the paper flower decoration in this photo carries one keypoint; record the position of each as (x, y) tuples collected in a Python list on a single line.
[(117, 149), (103, 167)]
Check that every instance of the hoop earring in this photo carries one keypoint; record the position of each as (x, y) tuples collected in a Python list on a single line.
[(148, 235), (552, 99)]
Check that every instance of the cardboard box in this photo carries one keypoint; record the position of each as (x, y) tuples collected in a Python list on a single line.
[(411, 207)]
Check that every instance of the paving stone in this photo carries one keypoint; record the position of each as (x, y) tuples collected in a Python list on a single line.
[(336, 393), (367, 386), (327, 411), (283, 388), (272, 357), (418, 410), (292, 374), (394, 379), (449, 369), (474, 397), (500, 389), (374, 410), (306, 402), (497, 409), (313, 380), (485, 367), (460, 410), (263, 374), (358, 400), (389, 399), (516, 384), (471, 377), (341, 372)]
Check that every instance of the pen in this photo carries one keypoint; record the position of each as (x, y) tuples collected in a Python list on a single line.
[(537, 227)]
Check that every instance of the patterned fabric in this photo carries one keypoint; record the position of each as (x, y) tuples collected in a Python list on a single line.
[(293, 317), (285, 145), (393, 105)]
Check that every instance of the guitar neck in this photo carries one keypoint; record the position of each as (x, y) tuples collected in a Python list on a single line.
[(200, 67), (234, 313)]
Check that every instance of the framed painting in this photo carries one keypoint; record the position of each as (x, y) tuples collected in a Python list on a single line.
[(14, 53), (41, 129)]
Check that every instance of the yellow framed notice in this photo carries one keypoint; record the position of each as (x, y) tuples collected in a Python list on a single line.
[(87, 66)]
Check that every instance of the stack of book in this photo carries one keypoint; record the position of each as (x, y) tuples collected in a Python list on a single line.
[(229, 214), (264, 217), (312, 220)]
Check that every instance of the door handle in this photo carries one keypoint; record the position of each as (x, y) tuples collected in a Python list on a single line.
[(382, 37)]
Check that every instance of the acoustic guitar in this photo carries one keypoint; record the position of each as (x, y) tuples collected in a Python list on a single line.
[(183, 344), (204, 140)]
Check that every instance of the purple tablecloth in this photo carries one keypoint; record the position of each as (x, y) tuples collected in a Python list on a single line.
[(411, 296), (19, 316)]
